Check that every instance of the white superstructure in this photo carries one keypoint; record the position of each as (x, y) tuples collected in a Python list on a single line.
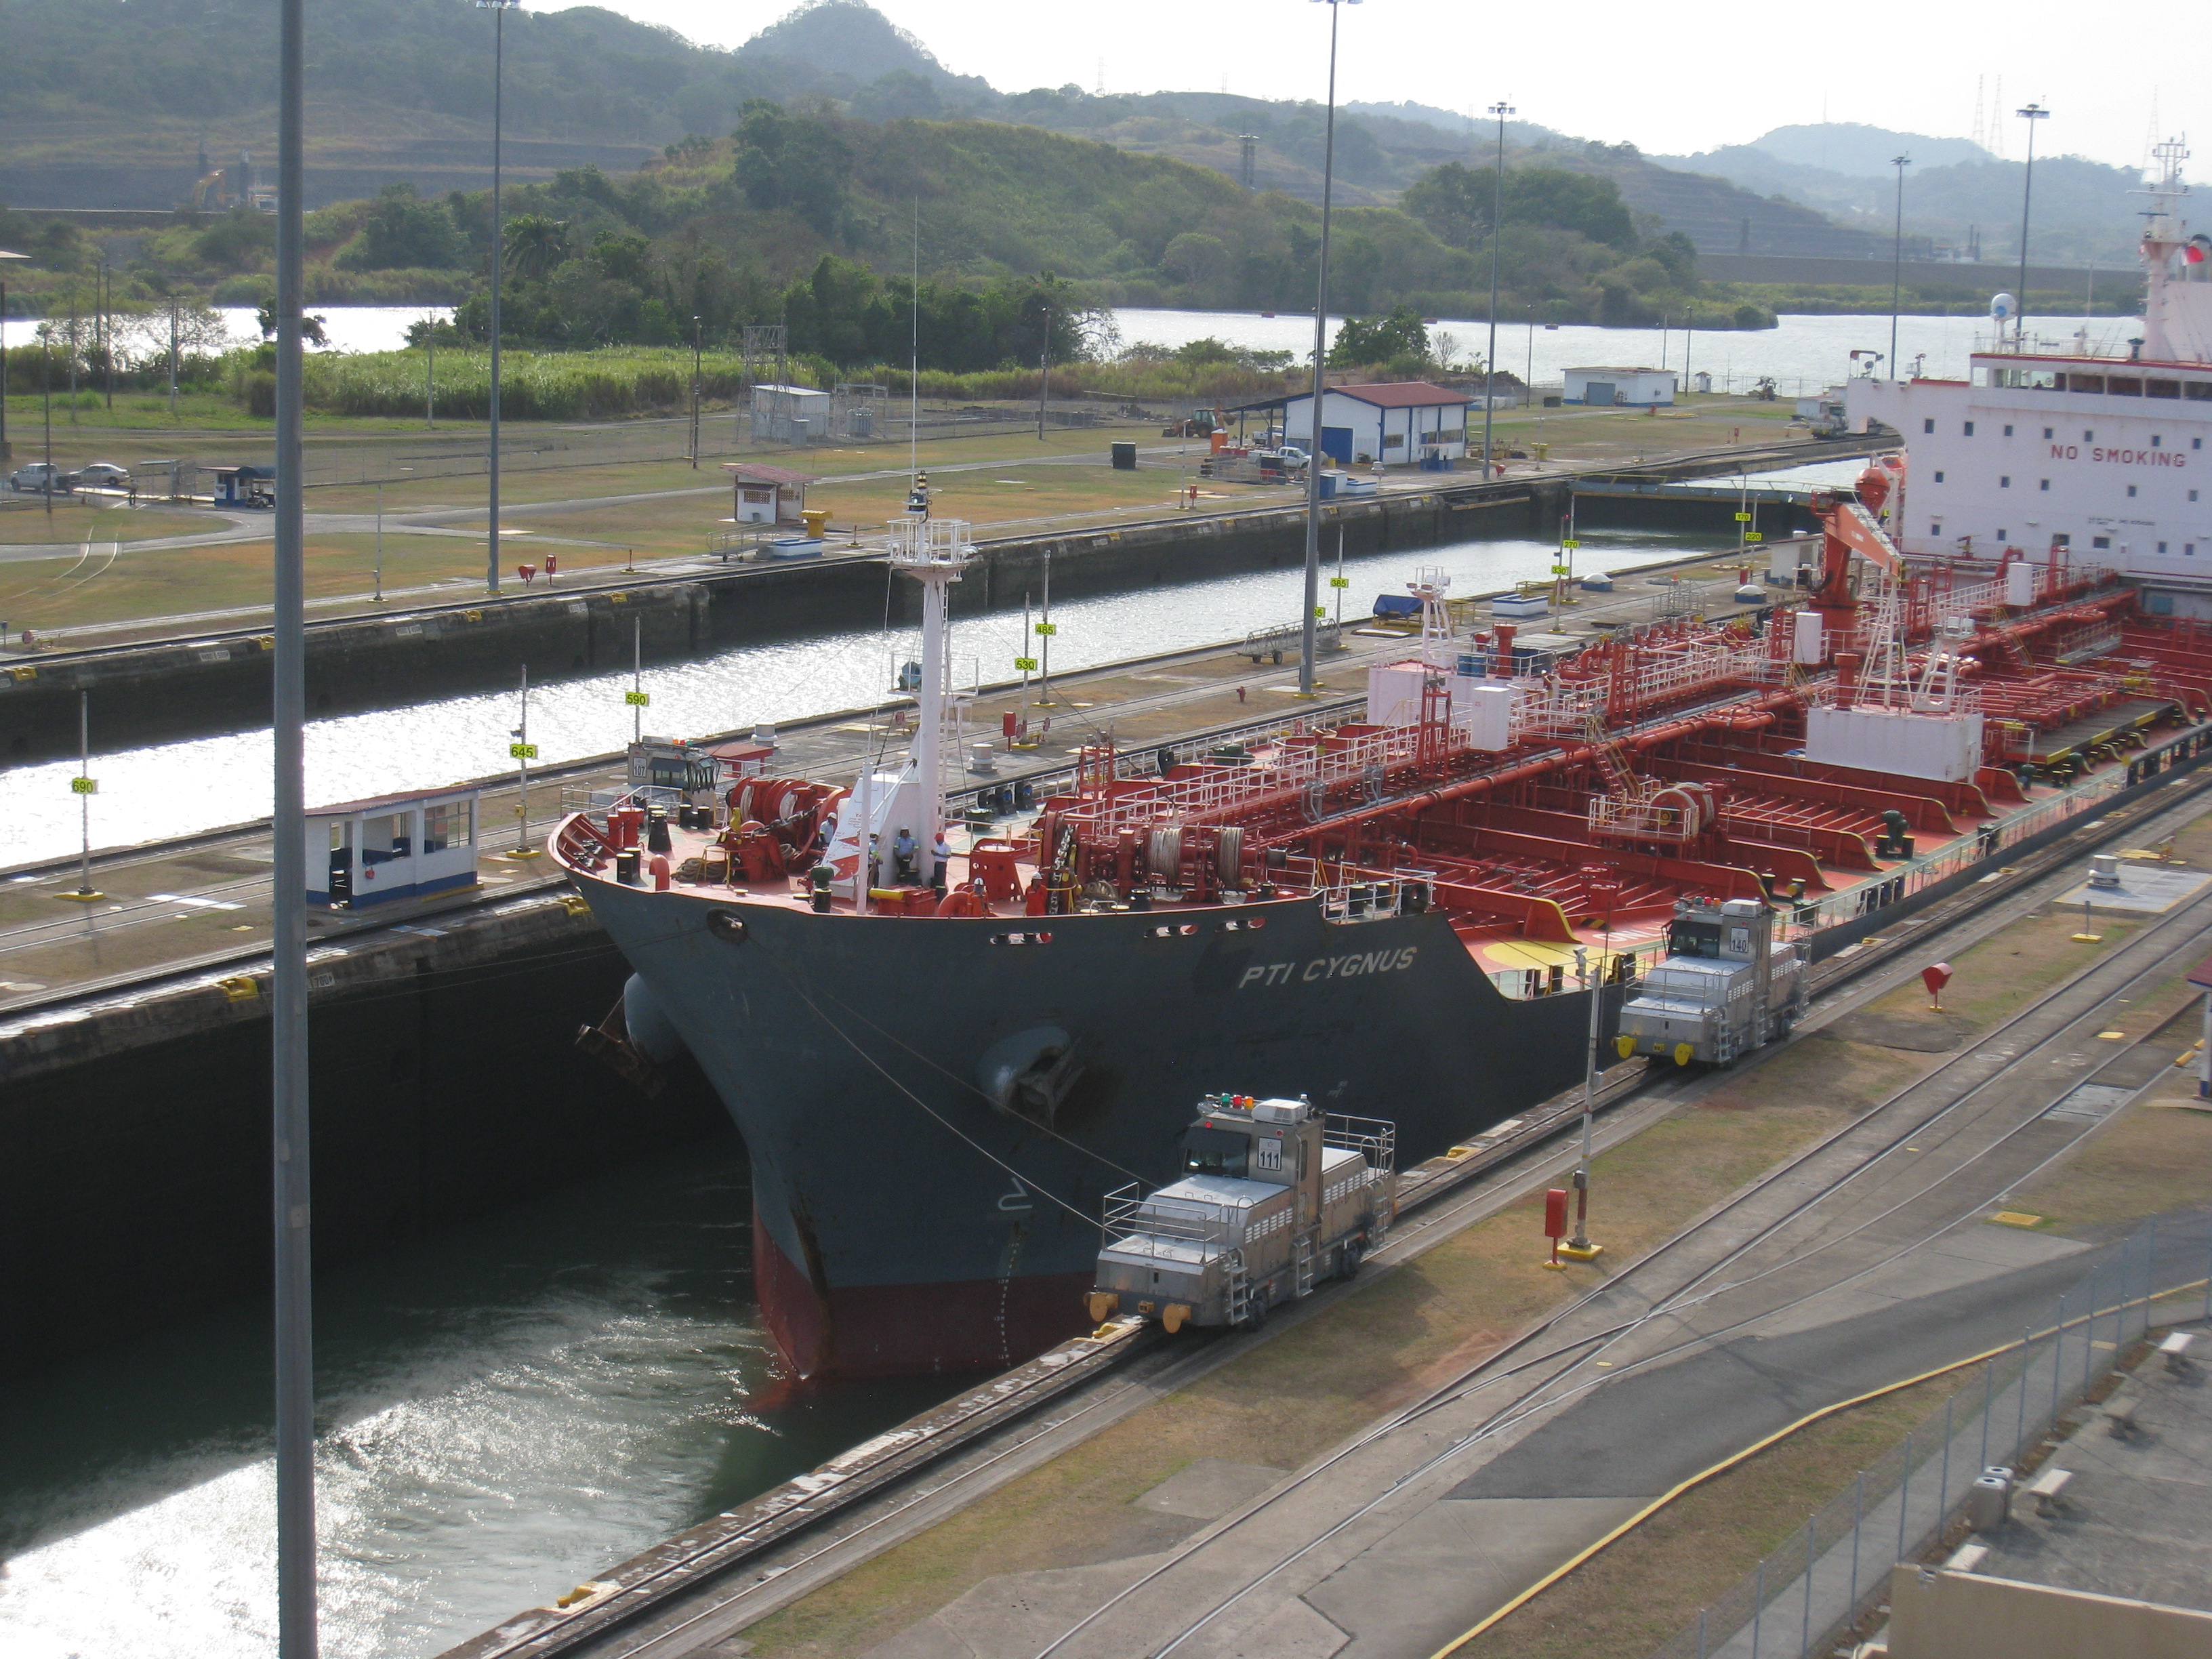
[(2101, 450)]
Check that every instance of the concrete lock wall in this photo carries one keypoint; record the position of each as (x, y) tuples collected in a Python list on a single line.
[(445, 1082), (1963, 1615), (164, 691)]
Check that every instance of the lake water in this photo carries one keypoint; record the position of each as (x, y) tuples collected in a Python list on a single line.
[(1801, 355)]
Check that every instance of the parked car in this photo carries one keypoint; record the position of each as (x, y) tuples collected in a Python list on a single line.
[(103, 475), (42, 477)]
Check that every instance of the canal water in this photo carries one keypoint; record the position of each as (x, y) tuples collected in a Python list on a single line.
[(177, 788), (505, 1411)]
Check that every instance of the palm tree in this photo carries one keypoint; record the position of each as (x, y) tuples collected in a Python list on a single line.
[(535, 244)]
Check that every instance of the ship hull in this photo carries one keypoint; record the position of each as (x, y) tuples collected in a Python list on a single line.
[(906, 1222)]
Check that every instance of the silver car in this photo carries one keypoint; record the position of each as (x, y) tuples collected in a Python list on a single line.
[(103, 475), (41, 477)]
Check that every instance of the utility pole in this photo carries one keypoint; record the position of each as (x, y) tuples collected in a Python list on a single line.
[(499, 9), (172, 359), (1501, 110), (3, 371), (380, 541), (637, 698), (292, 1187), (694, 394), (914, 363), (46, 409), (1044, 370), (83, 786), (2032, 114), (1897, 258), (107, 330), (1579, 1246), (1306, 630), (521, 751), (1044, 632), (430, 377)]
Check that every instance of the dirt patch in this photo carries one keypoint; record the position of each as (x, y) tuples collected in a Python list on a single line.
[(1934, 1034)]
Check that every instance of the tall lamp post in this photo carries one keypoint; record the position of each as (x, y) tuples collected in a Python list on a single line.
[(1496, 226), (1897, 258), (694, 394), (2032, 114), (291, 1187), (1320, 352), (499, 9)]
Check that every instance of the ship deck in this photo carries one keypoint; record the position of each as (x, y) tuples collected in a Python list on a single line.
[(1524, 879)]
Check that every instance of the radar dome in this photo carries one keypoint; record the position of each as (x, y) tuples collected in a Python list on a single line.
[(2002, 306)]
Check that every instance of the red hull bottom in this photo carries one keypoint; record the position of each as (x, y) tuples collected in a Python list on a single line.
[(898, 1330)]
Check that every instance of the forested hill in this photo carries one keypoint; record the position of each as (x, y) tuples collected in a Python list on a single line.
[(583, 73), (111, 103)]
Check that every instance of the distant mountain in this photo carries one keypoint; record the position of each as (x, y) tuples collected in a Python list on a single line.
[(851, 41), (1958, 197), (1860, 151), (400, 91)]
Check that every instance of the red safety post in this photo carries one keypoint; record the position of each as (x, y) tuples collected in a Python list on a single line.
[(1935, 976), (1555, 1223)]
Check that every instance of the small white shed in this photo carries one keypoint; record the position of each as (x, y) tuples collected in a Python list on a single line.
[(790, 415), (392, 847), (766, 494), (1398, 421), (1627, 388)]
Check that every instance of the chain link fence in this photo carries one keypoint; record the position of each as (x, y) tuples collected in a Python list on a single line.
[(1815, 1590)]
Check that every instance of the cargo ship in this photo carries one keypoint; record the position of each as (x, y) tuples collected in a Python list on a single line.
[(946, 1044)]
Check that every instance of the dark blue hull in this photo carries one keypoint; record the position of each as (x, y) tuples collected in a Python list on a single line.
[(908, 1221)]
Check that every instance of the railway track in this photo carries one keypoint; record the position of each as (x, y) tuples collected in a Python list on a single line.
[(1958, 1109)]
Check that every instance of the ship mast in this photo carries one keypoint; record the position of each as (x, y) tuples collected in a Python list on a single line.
[(2162, 241), (935, 552)]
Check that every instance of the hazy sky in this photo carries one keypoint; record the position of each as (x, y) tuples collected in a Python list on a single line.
[(1672, 82)]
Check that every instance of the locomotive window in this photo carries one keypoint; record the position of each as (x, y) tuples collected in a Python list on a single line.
[(1216, 1152), (1694, 939)]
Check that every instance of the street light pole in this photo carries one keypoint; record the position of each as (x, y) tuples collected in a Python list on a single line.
[(1306, 630), (694, 394), (380, 542), (1897, 258), (499, 9), (2032, 114), (292, 1191), (1501, 110), (1579, 1246), (1044, 368)]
